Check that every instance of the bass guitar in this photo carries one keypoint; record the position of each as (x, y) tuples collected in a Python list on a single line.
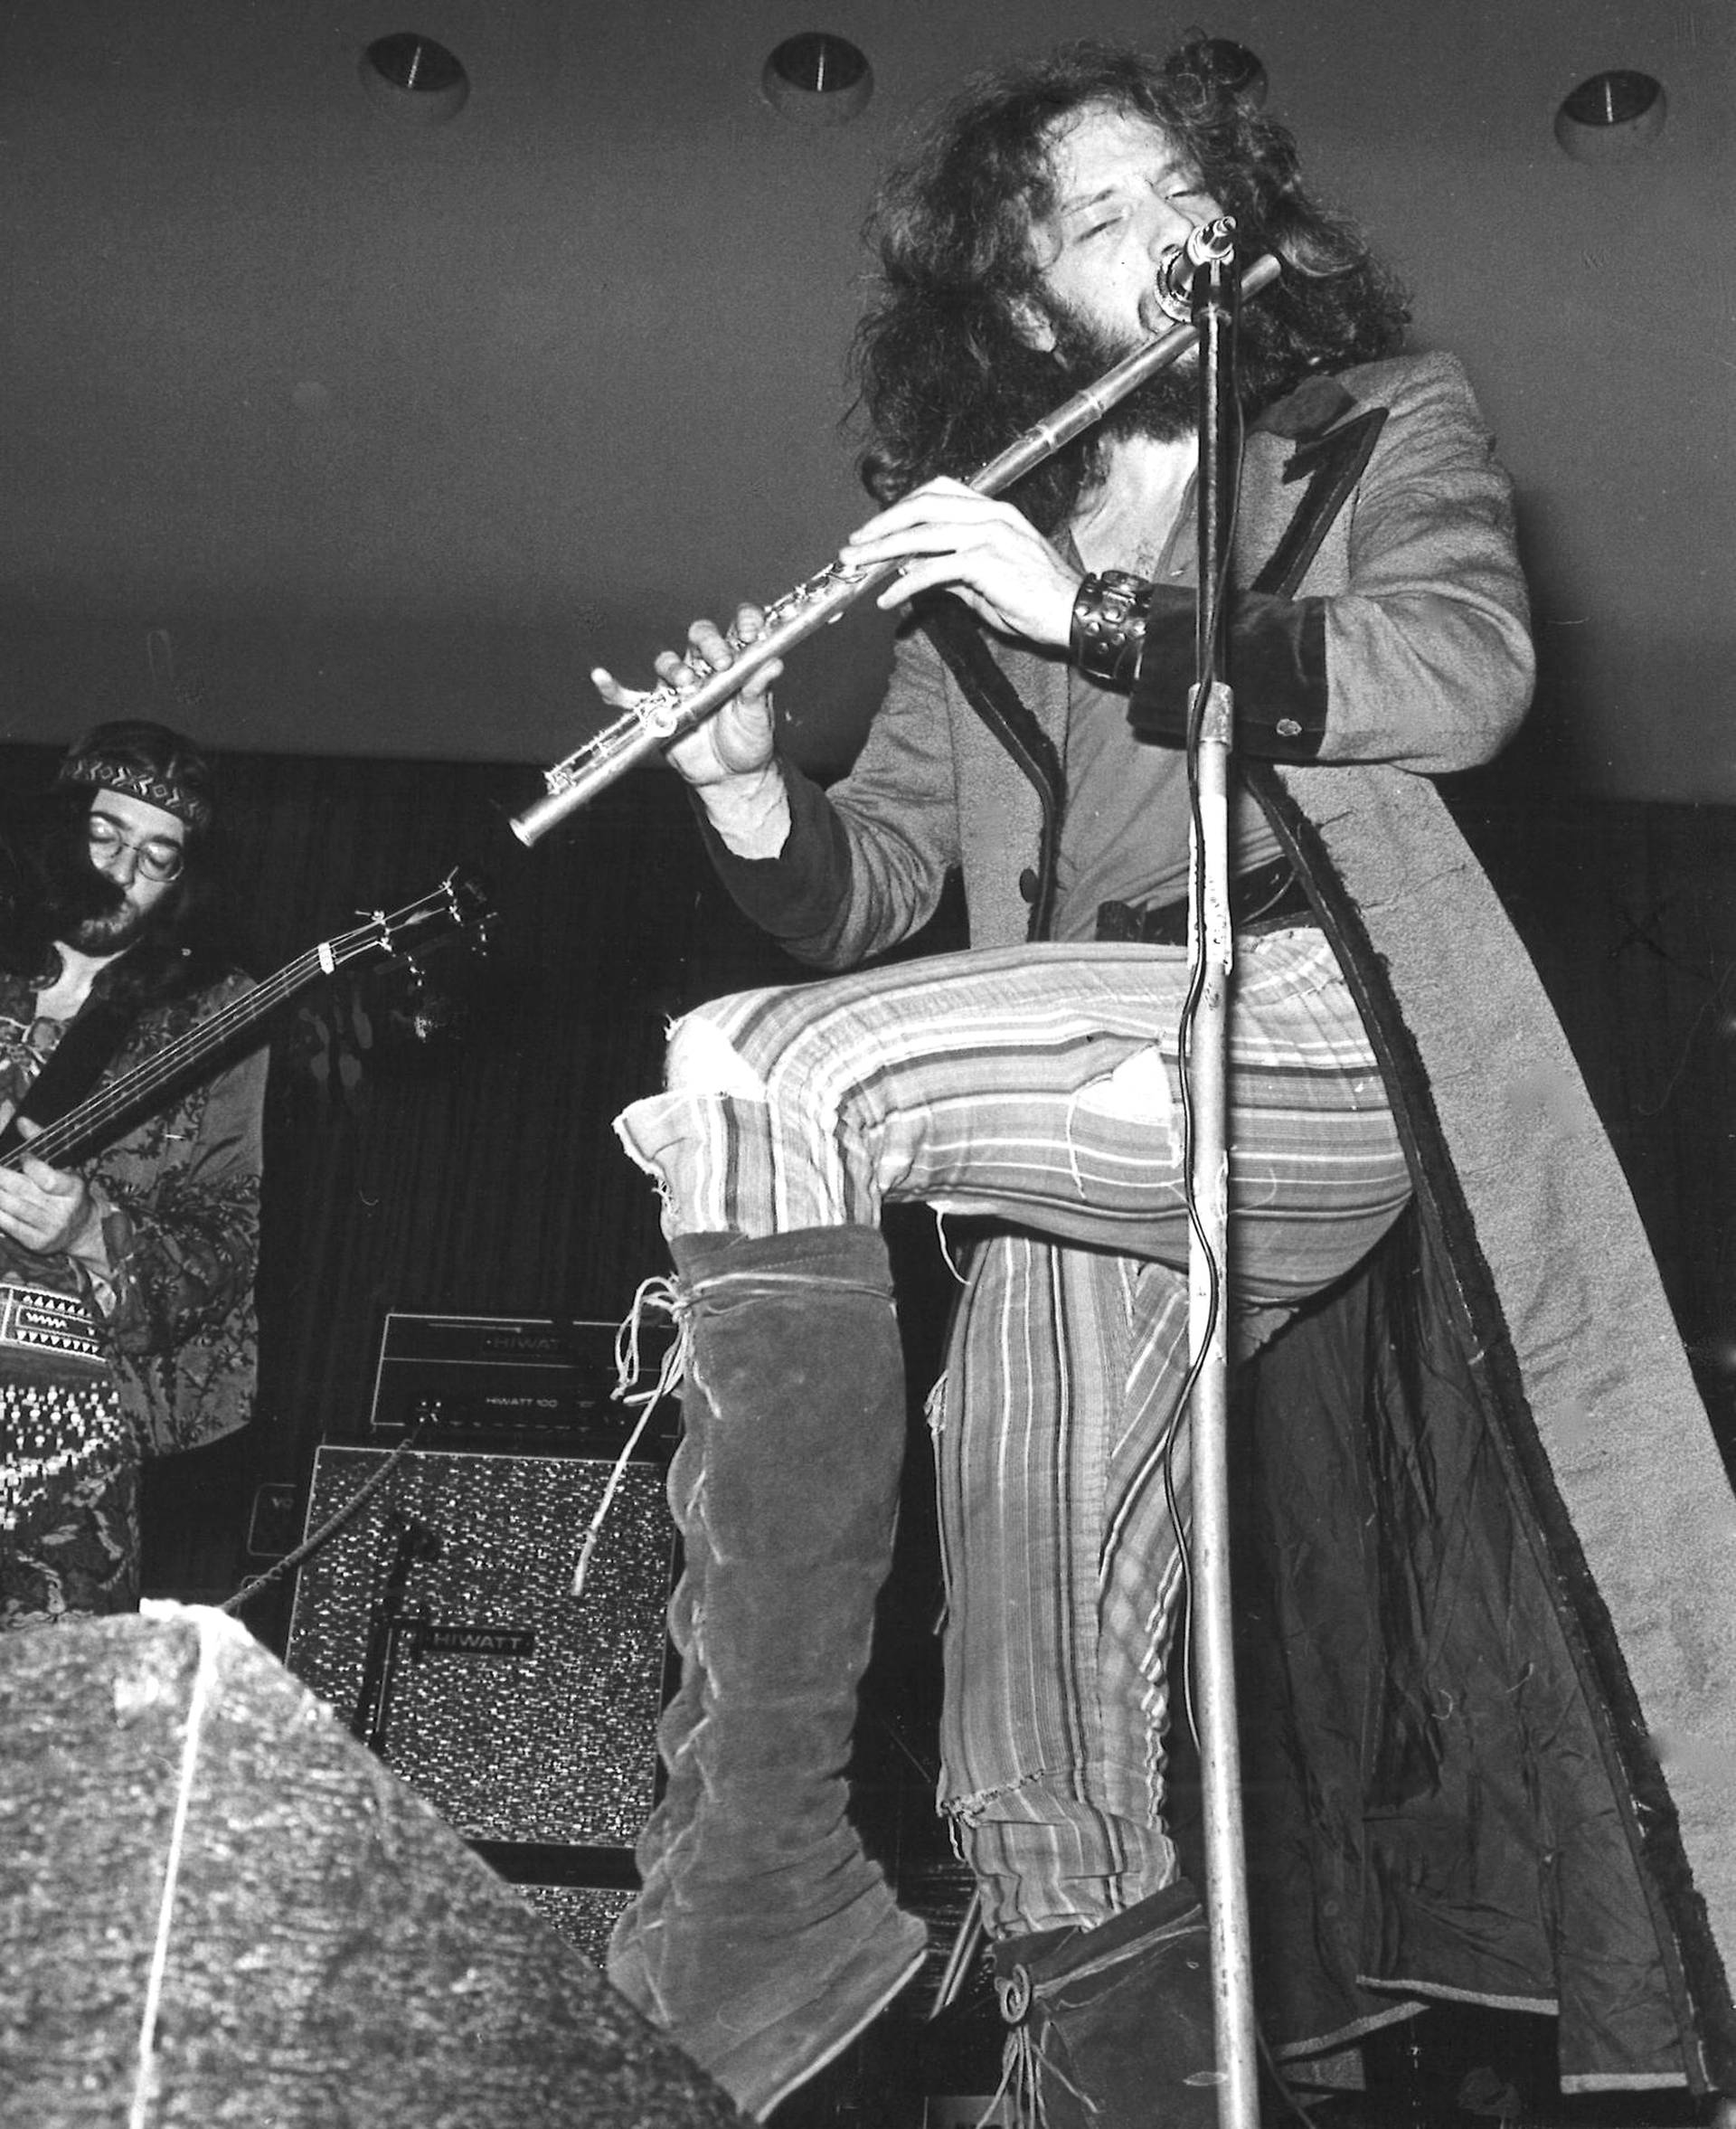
[(459, 904)]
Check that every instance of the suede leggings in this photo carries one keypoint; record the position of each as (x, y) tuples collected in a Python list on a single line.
[(1038, 1086)]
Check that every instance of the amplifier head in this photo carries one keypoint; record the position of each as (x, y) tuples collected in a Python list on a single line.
[(513, 1379)]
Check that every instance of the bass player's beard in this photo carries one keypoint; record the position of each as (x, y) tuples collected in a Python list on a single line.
[(111, 930)]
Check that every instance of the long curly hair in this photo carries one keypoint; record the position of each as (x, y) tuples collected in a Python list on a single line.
[(944, 379)]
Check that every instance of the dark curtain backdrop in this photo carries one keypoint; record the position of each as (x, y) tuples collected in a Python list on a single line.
[(446, 1145)]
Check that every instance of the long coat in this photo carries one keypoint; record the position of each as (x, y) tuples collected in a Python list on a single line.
[(1490, 1732)]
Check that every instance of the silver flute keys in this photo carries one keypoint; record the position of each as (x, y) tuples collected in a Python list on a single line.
[(668, 714)]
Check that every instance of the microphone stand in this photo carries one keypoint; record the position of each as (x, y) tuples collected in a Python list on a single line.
[(393, 1621), (1214, 299)]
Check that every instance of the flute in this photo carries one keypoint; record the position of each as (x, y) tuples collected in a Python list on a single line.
[(668, 714)]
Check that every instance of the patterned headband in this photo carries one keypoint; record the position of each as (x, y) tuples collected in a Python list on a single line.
[(113, 775)]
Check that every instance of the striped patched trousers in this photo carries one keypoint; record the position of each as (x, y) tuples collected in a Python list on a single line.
[(1038, 1086)]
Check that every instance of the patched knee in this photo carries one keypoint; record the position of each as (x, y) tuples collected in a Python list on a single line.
[(702, 1060)]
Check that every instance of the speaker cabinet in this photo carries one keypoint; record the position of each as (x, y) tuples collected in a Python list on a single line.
[(436, 1616)]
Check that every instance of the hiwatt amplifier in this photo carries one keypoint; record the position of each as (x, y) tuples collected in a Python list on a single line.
[(490, 1378), (436, 1615)]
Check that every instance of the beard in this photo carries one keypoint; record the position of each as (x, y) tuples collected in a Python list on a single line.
[(112, 930), (1166, 406)]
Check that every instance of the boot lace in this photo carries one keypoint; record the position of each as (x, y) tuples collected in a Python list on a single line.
[(1026, 2070), (654, 1295)]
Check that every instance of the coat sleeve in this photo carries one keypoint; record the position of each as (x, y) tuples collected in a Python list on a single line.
[(864, 864), (183, 1242), (1422, 656)]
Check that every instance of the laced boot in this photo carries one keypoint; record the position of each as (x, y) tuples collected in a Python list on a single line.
[(1113, 2027), (763, 1939)]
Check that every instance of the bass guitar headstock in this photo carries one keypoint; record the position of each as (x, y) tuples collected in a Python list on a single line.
[(459, 904)]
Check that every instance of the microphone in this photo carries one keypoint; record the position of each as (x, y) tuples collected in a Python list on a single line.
[(1211, 241)]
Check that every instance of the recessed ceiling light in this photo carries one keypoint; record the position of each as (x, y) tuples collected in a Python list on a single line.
[(818, 78), (1611, 114), (414, 77)]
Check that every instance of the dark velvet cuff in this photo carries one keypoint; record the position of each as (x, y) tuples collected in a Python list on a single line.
[(798, 893), (1276, 670)]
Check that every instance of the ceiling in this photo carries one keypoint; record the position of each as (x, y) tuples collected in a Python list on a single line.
[(379, 435)]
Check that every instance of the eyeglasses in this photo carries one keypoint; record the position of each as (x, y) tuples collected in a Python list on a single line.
[(158, 859)]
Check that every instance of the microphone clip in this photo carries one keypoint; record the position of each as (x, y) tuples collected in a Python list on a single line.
[(1211, 242)]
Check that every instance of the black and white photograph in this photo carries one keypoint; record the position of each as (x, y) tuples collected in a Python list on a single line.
[(867, 1064)]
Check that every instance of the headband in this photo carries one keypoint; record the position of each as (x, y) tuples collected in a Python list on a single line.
[(112, 774)]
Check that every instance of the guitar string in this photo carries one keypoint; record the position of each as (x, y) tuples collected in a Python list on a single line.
[(110, 1102)]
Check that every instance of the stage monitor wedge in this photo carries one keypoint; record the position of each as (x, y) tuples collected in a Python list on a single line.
[(217, 1909)]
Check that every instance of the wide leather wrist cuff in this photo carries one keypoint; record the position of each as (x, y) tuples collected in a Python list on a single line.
[(1107, 632)]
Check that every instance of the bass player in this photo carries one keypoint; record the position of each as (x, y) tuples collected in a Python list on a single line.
[(127, 1313)]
